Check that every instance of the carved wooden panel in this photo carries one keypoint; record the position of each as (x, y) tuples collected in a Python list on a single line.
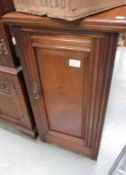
[(13, 105), (4, 87), (73, 74)]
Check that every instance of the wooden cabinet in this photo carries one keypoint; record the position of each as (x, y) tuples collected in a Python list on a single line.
[(15, 109), (67, 76), (68, 69)]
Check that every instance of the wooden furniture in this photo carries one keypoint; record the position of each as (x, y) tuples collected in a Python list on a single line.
[(68, 69), (15, 107)]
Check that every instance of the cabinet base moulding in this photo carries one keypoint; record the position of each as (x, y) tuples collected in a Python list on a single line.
[(27, 131)]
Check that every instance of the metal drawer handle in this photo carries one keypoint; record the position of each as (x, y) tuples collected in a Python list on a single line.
[(3, 48), (36, 90)]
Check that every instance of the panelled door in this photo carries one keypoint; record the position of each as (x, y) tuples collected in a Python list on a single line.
[(14, 107), (64, 75)]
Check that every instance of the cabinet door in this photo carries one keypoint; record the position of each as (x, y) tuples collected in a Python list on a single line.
[(14, 108), (4, 55), (66, 77), (7, 55)]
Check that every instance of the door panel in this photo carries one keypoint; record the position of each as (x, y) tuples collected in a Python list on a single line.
[(63, 83), (12, 101), (63, 90), (61, 70)]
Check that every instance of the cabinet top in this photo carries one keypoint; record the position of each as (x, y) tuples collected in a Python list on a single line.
[(113, 20)]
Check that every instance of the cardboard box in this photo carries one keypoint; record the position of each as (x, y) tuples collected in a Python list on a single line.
[(65, 9)]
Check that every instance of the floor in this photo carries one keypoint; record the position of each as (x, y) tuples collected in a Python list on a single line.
[(20, 155)]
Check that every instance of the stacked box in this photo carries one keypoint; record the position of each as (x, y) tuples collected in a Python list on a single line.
[(66, 9)]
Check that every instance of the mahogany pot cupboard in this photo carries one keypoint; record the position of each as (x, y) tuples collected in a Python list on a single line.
[(68, 69), (15, 107)]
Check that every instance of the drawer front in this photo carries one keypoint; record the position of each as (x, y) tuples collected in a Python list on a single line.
[(68, 76), (13, 106)]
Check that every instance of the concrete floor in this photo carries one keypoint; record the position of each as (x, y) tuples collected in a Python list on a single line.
[(20, 155)]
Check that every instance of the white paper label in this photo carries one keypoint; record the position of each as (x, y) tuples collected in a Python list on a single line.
[(120, 17), (74, 63)]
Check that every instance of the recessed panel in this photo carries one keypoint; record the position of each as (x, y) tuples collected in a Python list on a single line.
[(63, 89)]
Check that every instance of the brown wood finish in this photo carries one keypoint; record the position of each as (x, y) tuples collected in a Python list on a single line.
[(71, 109), (6, 7), (7, 58), (68, 103), (15, 109), (104, 21)]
